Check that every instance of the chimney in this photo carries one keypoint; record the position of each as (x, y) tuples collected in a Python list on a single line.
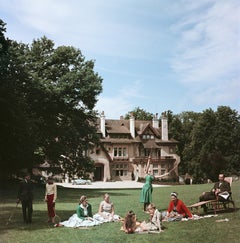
[(155, 122), (164, 124), (102, 118), (132, 125)]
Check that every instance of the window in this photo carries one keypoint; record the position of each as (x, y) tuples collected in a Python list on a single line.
[(155, 172), (148, 136), (124, 152), (120, 169), (97, 151), (115, 152), (147, 152), (120, 152), (171, 150), (119, 172)]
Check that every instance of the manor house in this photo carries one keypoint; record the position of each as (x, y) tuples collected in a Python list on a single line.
[(126, 144)]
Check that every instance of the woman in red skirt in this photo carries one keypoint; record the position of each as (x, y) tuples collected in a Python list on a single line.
[(50, 198)]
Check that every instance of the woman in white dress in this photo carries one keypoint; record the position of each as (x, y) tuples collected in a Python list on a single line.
[(106, 211), (82, 218)]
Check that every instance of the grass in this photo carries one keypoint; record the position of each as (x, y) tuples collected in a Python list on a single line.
[(203, 230)]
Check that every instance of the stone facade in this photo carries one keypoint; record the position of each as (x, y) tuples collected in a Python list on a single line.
[(126, 144)]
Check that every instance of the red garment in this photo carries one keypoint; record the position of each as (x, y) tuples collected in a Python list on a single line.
[(50, 206), (180, 207)]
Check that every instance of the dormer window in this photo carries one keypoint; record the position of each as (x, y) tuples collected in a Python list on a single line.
[(148, 136)]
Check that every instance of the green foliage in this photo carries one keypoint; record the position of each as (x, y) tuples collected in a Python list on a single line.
[(47, 99), (180, 128), (139, 114), (212, 144)]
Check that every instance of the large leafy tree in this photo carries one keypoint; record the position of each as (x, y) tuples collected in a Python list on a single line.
[(180, 128), (214, 144), (139, 114), (16, 150), (54, 92)]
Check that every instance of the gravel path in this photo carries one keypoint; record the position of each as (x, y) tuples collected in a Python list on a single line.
[(109, 185)]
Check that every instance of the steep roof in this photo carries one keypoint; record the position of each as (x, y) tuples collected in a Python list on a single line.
[(122, 126), (117, 126)]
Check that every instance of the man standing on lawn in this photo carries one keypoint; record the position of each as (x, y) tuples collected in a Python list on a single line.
[(25, 196)]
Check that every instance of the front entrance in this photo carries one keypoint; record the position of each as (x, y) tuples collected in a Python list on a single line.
[(99, 172)]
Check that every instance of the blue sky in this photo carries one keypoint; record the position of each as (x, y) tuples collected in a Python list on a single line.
[(178, 55)]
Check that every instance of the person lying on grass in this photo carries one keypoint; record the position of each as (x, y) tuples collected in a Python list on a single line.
[(131, 225), (177, 210), (82, 218), (106, 211)]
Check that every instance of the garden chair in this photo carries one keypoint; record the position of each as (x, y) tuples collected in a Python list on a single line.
[(215, 205)]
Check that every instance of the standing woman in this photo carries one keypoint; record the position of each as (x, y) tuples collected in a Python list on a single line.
[(50, 198), (146, 193)]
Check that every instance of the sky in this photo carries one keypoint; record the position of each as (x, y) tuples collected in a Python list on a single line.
[(158, 55)]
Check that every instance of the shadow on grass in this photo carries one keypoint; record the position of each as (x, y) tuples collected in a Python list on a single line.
[(65, 193), (11, 219)]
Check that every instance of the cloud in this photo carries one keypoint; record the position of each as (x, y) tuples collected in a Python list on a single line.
[(182, 53), (208, 51), (219, 93), (113, 107), (97, 27), (122, 100)]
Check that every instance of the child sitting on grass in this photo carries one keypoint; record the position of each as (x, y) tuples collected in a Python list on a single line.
[(155, 221)]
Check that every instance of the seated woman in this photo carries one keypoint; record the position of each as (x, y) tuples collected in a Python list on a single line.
[(176, 209), (83, 216), (106, 211), (130, 224), (155, 222)]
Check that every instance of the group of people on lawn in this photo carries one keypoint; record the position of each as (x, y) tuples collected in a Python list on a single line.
[(84, 217)]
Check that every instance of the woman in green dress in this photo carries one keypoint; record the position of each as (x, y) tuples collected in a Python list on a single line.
[(146, 193)]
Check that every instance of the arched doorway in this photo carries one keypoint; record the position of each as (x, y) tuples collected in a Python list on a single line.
[(99, 172)]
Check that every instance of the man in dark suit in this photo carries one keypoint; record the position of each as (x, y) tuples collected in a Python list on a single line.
[(220, 188), (25, 196)]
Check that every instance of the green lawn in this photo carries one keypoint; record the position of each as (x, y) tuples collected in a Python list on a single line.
[(203, 230)]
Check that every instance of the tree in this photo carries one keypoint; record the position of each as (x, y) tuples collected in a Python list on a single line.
[(180, 128), (54, 92), (214, 144), (17, 147), (139, 114)]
